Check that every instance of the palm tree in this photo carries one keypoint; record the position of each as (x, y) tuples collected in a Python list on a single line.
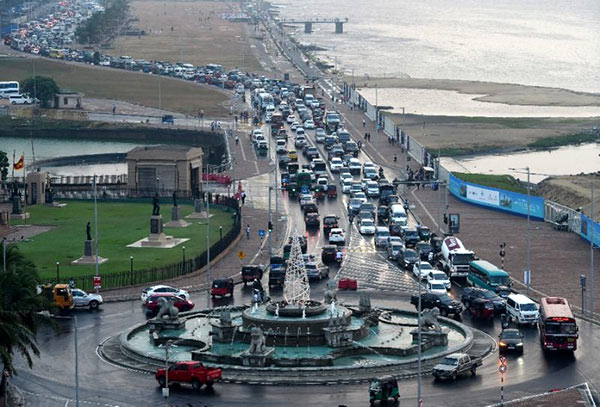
[(20, 316)]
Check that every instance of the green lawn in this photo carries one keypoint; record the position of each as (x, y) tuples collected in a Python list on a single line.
[(506, 182), (120, 223)]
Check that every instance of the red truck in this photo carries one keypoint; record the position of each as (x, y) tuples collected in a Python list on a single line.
[(189, 372)]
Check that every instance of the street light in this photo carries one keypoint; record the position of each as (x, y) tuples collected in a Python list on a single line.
[(96, 227), (419, 337), (57, 272), (131, 270), (528, 271)]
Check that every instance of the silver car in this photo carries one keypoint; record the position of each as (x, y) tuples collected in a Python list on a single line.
[(82, 299)]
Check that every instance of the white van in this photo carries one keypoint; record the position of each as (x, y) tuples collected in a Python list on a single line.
[(522, 309), (20, 99), (397, 213)]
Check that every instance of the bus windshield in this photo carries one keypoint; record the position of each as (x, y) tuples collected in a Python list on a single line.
[(560, 328), (499, 280)]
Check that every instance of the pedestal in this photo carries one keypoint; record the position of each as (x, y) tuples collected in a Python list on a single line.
[(337, 338), (223, 333), (198, 205), (176, 221), (16, 206), (257, 360), (439, 338), (199, 212), (160, 324), (89, 254), (89, 248), (156, 225)]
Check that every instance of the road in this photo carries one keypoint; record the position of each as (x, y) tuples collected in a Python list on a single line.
[(51, 381)]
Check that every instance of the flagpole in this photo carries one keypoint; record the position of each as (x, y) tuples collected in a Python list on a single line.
[(14, 162), (25, 189)]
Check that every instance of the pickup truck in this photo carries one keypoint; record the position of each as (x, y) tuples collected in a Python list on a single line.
[(191, 372), (443, 302), (456, 364)]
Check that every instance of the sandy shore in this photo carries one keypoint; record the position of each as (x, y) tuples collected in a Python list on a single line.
[(507, 93), (572, 191)]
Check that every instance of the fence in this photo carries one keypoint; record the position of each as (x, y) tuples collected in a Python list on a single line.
[(154, 274)]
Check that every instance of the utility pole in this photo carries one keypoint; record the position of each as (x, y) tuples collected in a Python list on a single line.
[(528, 230), (207, 243), (592, 252), (76, 365), (419, 334), (96, 226)]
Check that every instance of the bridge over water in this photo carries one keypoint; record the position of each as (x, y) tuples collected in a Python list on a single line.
[(308, 23)]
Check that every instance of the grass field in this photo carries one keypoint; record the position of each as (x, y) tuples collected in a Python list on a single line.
[(118, 84), (505, 182), (191, 32), (120, 224)]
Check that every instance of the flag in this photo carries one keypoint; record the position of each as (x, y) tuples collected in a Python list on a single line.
[(19, 164)]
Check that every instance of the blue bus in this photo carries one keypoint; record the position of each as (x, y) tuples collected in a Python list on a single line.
[(486, 275)]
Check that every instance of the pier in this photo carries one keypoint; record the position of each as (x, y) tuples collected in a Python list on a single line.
[(308, 23)]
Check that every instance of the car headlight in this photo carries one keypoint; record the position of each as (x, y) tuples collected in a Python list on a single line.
[(502, 344)]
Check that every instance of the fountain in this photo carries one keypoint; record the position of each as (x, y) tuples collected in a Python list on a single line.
[(325, 334)]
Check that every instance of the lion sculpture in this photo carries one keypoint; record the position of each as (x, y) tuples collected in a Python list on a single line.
[(166, 309), (330, 293), (429, 319), (257, 341)]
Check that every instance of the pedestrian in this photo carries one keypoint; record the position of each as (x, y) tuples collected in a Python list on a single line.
[(364, 123), (72, 282), (366, 135), (237, 140), (395, 158), (114, 109), (247, 232), (243, 198)]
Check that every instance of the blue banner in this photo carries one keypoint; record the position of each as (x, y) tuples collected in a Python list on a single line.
[(586, 230), (507, 201)]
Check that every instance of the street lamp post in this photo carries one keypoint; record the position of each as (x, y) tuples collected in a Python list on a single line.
[(592, 251), (528, 230), (76, 365), (419, 337), (207, 244), (57, 272), (4, 254), (96, 226), (131, 270)]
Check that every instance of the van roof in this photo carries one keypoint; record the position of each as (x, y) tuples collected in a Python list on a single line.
[(521, 299)]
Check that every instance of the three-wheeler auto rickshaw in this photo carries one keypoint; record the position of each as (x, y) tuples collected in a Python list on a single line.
[(331, 191), (482, 308), (383, 389), (222, 287)]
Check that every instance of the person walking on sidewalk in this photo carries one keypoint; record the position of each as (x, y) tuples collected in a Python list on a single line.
[(247, 232), (243, 198), (364, 123), (237, 140)]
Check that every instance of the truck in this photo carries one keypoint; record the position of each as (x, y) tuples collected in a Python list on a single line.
[(455, 258), (192, 372), (332, 121), (276, 271), (59, 296), (455, 365)]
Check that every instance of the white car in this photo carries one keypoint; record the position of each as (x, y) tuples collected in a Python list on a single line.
[(370, 165), (346, 185), (20, 100), (309, 124), (320, 135), (316, 270), (268, 117), (305, 199), (323, 181), (281, 147), (290, 119), (392, 240), (300, 141), (163, 289), (300, 131), (372, 189), (382, 233), (82, 299), (360, 195), (354, 166), (336, 164), (336, 236), (424, 271), (437, 276), (436, 288), (366, 227)]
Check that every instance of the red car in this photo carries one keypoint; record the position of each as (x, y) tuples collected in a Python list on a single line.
[(191, 372), (152, 306)]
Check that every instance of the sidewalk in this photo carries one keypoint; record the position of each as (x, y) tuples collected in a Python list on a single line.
[(229, 265)]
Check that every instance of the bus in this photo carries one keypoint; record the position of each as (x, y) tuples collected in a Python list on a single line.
[(486, 275), (558, 328), (303, 179), (9, 88)]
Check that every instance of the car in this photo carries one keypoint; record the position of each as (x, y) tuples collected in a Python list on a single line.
[(336, 164), (82, 299), (192, 372), (268, 117), (311, 153), (309, 124), (371, 173), (311, 220), (336, 236), (394, 249), (161, 289), (365, 215), (315, 270), (393, 240), (300, 141), (293, 155), (424, 233), (406, 258), (300, 132), (305, 199), (510, 339), (290, 119), (328, 254), (421, 269), (345, 174), (356, 187), (439, 277), (359, 195), (424, 249), (410, 237), (522, 309), (381, 235), (354, 166), (346, 186), (322, 181), (366, 227), (443, 302), (294, 126), (354, 206), (382, 214), (455, 365), (469, 294), (152, 304), (329, 222), (320, 135), (435, 287), (20, 99), (372, 189)]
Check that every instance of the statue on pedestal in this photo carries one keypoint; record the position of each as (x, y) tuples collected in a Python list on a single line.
[(155, 205), (87, 231), (429, 320), (175, 199), (167, 309), (257, 342)]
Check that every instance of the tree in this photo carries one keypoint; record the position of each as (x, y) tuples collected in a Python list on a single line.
[(19, 312), (3, 165), (42, 87)]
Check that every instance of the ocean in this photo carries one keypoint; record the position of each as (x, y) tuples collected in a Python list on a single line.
[(552, 43)]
